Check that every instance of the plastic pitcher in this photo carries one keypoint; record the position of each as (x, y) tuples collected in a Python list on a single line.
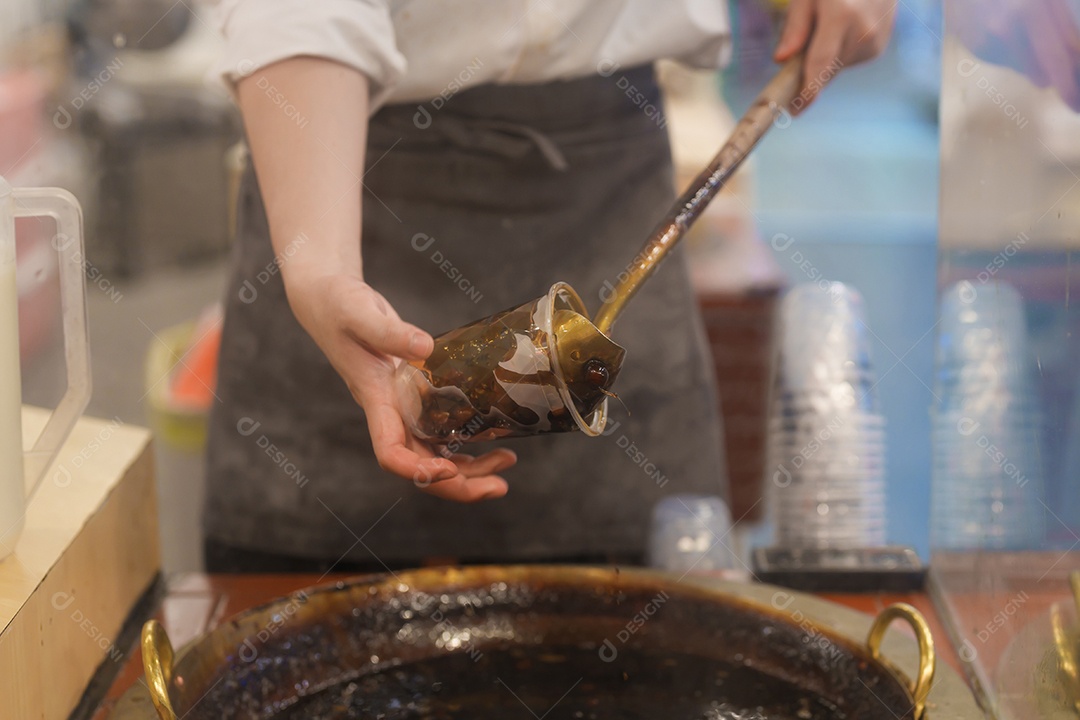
[(21, 472)]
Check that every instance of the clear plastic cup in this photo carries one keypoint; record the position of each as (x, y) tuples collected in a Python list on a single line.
[(505, 376), (691, 533)]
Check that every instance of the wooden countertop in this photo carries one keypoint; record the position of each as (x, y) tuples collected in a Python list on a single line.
[(195, 603), (87, 552)]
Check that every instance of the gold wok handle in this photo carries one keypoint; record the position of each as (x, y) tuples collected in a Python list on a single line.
[(1068, 645), (157, 658), (920, 687)]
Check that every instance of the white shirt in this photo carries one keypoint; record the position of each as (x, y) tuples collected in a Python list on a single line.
[(415, 50)]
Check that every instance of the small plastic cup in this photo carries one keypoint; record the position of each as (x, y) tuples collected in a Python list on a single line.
[(688, 535), (502, 377)]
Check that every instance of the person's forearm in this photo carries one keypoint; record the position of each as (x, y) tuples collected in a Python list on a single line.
[(306, 123)]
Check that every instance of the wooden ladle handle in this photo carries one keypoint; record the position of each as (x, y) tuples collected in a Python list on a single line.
[(769, 108)]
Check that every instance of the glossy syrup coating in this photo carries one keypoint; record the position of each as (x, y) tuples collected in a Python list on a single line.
[(491, 379), (597, 373), (513, 374)]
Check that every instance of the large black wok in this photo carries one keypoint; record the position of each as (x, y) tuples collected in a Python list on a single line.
[(529, 641)]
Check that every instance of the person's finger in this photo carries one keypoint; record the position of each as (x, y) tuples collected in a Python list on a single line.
[(468, 489), (389, 441), (869, 34), (822, 60), (492, 462), (373, 324), (797, 26)]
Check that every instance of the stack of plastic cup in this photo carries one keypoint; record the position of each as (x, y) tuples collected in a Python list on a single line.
[(987, 474), (826, 435)]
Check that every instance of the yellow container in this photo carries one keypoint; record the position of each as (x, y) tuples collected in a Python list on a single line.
[(180, 427)]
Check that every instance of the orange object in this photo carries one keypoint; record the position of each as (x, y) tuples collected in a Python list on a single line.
[(194, 376)]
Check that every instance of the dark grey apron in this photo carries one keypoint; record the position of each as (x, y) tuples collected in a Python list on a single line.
[(506, 190)]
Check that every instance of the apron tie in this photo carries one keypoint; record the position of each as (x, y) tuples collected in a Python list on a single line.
[(511, 140)]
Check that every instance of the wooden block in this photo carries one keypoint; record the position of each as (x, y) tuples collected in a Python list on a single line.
[(89, 551)]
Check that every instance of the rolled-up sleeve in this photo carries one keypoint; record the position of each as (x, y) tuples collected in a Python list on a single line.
[(356, 33)]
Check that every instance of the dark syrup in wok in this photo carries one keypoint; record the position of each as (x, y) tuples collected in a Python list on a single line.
[(565, 682)]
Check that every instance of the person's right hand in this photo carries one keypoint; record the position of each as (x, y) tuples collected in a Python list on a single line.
[(364, 339), (309, 174), (835, 34)]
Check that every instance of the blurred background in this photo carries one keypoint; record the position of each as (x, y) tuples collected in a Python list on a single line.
[(108, 98), (940, 184)]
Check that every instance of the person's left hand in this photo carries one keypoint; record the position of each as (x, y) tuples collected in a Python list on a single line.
[(835, 34)]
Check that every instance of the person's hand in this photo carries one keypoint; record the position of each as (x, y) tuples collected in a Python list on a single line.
[(835, 34), (308, 175), (363, 337)]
